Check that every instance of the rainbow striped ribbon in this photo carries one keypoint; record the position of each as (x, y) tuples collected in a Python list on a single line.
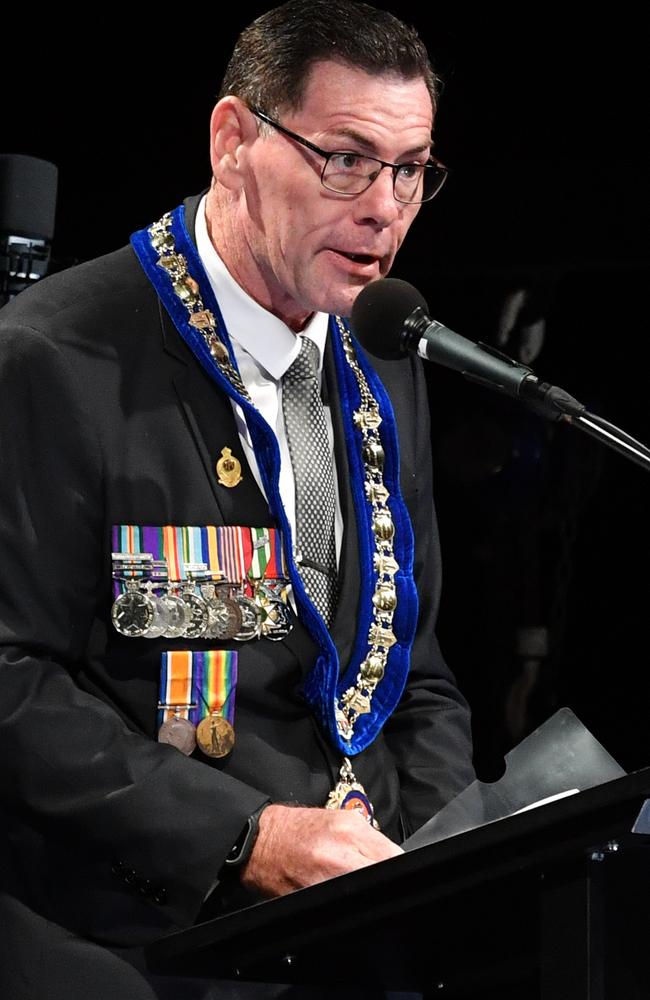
[(205, 679)]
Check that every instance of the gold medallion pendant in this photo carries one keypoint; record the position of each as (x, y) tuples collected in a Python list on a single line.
[(349, 794)]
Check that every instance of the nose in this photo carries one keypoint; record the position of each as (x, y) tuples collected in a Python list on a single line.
[(376, 205)]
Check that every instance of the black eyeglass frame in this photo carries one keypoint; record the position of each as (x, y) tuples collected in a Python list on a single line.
[(432, 164)]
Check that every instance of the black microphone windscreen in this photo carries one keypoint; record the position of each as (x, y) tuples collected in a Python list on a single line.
[(380, 312), (28, 188)]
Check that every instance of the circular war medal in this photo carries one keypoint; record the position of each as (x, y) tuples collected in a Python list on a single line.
[(198, 615), (277, 624), (132, 613), (251, 616), (225, 619), (175, 615), (179, 733), (215, 736)]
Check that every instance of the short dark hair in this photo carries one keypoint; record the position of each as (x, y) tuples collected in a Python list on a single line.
[(273, 55)]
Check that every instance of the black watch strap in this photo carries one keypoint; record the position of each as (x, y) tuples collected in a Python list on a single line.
[(242, 849)]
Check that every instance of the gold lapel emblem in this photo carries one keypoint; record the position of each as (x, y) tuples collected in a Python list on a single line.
[(228, 469)]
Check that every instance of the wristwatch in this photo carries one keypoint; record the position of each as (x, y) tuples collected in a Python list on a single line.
[(242, 849)]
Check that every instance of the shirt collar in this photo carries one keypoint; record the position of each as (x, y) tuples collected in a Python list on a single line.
[(266, 338)]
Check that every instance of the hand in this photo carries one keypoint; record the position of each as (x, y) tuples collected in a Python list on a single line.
[(297, 847)]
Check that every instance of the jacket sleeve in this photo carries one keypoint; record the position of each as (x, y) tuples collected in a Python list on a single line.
[(75, 778), (429, 733)]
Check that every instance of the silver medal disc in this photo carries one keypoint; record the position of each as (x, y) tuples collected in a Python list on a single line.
[(157, 626), (277, 624), (175, 615), (132, 613), (198, 615)]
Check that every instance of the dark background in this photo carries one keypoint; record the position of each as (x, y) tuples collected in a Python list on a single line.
[(544, 122)]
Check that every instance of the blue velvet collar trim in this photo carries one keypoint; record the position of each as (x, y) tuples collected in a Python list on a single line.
[(323, 686)]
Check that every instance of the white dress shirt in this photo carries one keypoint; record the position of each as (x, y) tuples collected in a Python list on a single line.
[(264, 348)]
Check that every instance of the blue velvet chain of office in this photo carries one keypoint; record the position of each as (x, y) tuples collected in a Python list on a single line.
[(324, 685)]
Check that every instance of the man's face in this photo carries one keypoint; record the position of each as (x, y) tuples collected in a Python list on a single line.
[(300, 235)]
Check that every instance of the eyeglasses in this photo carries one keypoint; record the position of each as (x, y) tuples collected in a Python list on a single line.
[(349, 173)]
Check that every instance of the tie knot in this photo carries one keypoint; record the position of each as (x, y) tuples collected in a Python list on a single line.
[(306, 364)]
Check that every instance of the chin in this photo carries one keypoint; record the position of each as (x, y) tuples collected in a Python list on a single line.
[(341, 304)]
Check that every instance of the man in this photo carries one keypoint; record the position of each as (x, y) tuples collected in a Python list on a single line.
[(149, 417)]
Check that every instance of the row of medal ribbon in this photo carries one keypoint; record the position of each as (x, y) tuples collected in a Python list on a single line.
[(162, 587)]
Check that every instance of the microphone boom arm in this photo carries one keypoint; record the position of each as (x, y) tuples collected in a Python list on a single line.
[(491, 368)]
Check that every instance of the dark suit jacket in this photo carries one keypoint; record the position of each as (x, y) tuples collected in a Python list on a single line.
[(105, 418)]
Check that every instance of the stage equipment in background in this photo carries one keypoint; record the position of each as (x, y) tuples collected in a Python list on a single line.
[(28, 189)]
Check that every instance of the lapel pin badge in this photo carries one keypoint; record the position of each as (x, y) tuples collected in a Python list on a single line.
[(228, 469)]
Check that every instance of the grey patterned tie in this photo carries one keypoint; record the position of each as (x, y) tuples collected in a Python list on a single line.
[(306, 429)]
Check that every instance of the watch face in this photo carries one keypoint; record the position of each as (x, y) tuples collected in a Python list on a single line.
[(132, 613)]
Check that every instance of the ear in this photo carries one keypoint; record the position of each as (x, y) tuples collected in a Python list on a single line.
[(232, 130)]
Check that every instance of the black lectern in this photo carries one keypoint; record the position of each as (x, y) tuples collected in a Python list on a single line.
[(553, 903)]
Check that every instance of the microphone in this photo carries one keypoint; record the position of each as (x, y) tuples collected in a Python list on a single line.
[(28, 188), (391, 319)]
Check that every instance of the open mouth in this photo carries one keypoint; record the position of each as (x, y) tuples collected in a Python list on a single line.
[(358, 258)]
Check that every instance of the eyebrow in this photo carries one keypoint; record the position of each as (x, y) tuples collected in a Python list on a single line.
[(350, 133)]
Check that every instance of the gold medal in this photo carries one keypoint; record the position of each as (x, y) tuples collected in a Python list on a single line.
[(228, 469), (350, 795), (215, 736)]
